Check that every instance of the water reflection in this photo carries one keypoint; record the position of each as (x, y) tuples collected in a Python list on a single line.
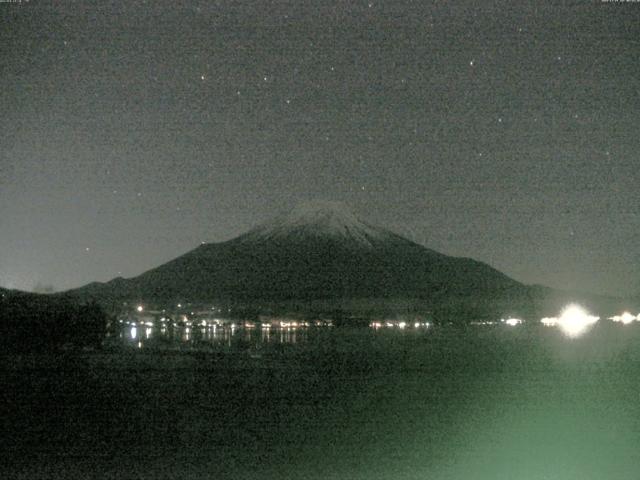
[(181, 335), (215, 332), (288, 335), (265, 334)]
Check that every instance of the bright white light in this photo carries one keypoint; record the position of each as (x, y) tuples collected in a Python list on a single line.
[(140, 308), (402, 324), (549, 321), (574, 320), (512, 322), (625, 318), (134, 333)]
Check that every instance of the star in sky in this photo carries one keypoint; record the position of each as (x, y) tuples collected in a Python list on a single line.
[(283, 102)]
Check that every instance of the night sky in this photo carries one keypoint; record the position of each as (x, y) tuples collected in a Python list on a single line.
[(503, 131)]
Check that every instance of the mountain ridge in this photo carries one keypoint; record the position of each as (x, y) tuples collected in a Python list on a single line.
[(318, 218), (322, 252)]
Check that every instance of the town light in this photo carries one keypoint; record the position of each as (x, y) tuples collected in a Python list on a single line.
[(549, 321), (574, 320), (625, 318)]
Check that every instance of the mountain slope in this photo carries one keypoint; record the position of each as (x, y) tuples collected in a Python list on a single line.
[(317, 251)]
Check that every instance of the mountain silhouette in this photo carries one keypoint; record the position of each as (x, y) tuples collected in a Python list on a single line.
[(323, 252)]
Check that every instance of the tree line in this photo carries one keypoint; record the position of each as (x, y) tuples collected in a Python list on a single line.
[(32, 322)]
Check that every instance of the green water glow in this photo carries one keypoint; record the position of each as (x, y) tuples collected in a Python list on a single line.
[(446, 403)]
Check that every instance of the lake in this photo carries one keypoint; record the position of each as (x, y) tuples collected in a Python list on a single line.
[(481, 402)]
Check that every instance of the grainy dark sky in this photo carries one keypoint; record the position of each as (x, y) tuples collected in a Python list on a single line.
[(504, 131)]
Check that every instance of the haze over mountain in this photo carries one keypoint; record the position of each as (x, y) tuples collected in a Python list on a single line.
[(322, 252)]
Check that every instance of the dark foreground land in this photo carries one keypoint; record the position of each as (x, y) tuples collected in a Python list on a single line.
[(481, 403)]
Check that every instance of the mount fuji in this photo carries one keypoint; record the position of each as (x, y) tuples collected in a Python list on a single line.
[(320, 252), (320, 219)]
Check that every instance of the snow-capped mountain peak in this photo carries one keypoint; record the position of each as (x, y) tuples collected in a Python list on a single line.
[(320, 218)]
